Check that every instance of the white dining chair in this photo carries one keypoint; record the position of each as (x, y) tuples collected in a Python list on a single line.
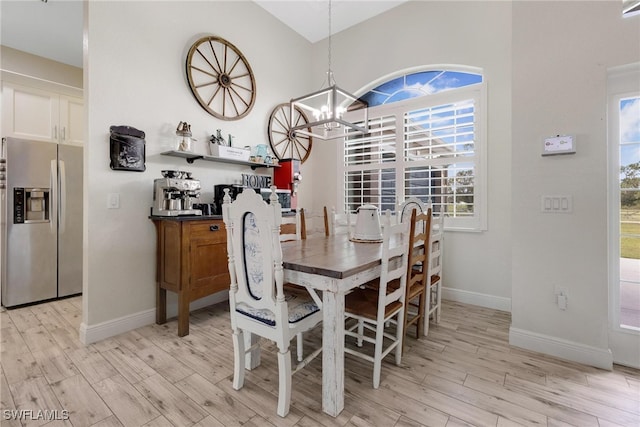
[(307, 226), (373, 309), (340, 223), (408, 205), (290, 229), (258, 301)]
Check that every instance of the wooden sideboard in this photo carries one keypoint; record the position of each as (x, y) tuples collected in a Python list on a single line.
[(191, 261)]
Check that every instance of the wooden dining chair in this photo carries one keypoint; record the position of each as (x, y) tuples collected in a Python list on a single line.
[(417, 271), (434, 291), (415, 308), (313, 223), (373, 309), (258, 301)]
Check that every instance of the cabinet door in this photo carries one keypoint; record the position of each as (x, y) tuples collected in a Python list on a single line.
[(71, 120), (169, 255), (29, 113), (208, 258)]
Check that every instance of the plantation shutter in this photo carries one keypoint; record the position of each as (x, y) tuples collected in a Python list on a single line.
[(430, 147), (370, 165)]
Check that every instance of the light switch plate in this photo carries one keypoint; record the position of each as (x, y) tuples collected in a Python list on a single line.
[(113, 201), (557, 204)]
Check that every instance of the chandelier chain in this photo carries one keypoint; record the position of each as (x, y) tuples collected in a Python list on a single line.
[(330, 79), (329, 105)]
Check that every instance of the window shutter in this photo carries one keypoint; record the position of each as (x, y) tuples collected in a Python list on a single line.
[(430, 147), (368, 177)]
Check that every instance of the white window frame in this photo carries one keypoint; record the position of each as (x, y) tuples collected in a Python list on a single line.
[(477, 92)]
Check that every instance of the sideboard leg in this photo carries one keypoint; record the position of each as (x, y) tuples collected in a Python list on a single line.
[(161, 305), (183, 314)]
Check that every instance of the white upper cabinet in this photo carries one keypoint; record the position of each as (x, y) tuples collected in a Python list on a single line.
[(41, 115), (71, 120)]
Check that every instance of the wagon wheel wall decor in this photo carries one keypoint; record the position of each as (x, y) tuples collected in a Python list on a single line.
[(285, 143), (220, 78)]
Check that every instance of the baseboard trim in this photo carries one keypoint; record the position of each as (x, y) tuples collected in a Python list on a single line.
[(110, 328), (564, 349), (94, 333), (475, 298)]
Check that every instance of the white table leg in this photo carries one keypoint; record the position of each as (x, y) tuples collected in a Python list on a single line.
[(251, 359), (333, 353)]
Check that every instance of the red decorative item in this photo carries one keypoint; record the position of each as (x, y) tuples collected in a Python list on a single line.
[(287, 177)]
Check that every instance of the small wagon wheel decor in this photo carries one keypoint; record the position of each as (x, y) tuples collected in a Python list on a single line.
[(285, 143), (220, 78)]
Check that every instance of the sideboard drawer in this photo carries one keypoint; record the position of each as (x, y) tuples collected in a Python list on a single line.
[(213, 231)]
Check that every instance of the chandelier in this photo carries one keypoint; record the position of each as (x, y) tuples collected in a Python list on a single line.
[(327, 106)]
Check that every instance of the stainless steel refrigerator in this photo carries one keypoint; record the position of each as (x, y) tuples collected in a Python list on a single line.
[(41, 219)]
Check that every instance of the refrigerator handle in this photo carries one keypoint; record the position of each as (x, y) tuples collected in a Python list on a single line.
[(53, 195), (62, 217)]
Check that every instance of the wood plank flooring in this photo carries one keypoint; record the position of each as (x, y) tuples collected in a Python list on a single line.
[(464, 373)]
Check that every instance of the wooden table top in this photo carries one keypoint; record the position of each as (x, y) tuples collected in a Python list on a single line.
[(334, 256)]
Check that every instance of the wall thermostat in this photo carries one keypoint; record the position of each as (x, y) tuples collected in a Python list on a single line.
[(565, 144)]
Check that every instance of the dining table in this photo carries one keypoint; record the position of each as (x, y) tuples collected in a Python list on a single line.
[(334, 265)]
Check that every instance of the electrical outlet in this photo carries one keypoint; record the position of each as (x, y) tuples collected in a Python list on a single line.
[(562, 302), (562, 297), (113, 201)]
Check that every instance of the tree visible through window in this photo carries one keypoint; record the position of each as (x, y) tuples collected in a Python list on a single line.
[(425, 141)]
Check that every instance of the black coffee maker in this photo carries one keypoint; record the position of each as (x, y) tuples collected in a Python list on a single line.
[(218, 195)]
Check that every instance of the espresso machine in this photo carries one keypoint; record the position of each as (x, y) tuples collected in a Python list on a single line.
[(175, 194)]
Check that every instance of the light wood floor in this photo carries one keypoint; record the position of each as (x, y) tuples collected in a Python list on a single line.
[(463, 373)]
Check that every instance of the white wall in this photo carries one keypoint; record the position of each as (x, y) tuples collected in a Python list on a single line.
[(134, 75), (477, 265), (560, 56)]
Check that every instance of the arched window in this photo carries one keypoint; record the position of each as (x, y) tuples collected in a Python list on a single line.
[(418, 84), (426, 140)]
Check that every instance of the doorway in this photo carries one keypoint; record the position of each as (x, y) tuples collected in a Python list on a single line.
[(624, 213)]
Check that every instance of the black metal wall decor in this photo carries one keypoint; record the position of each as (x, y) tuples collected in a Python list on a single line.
[(127, 148)]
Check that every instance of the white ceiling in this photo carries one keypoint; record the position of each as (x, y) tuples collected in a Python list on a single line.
[(53, 29), (310, 18)]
